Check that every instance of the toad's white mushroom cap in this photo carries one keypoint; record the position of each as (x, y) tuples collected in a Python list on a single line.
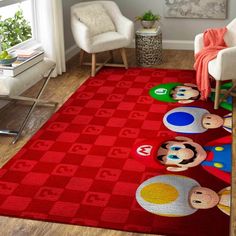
[(166, 195)]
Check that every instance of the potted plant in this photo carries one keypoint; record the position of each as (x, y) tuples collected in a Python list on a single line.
[(14, 30), (148, 19)]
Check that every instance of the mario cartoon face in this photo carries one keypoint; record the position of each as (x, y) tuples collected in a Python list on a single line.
[(178, 153), (175, 92), (181, 154)]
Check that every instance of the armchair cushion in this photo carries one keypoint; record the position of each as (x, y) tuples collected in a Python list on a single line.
[(213, 41), (95, 17), (223, 66), (108, 41)]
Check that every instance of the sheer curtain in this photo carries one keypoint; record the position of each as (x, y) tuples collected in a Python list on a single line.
[(49, 31)]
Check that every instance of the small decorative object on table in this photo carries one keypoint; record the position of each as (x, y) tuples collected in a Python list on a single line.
[(148, 19), (148, 46), (7, 58), (20, 61)]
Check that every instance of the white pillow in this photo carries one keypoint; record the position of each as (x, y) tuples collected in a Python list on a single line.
[(96, 19)]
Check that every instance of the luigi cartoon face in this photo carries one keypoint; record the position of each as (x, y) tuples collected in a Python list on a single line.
[(185, 93), (176, 92)]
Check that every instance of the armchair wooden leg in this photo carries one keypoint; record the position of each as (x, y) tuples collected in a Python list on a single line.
[(217, 94), (111, 56), (93, 72), (230, 92), (124, 58), (81, 57), (233, 92)]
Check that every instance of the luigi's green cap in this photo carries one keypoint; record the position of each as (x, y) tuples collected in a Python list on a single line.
[(162, 92)]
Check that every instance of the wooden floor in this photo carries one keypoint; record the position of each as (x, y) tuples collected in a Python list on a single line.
[(59, 89)]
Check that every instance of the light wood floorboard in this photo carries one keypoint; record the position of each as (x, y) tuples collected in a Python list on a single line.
[(60, 89)]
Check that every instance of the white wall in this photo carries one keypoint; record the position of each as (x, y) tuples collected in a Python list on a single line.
[(70, 47), (177, 33)]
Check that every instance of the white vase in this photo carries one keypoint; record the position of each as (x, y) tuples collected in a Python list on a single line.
[(147, 24)]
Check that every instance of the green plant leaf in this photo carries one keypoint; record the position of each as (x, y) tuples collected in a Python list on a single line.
[(148, 16), (14, 30)]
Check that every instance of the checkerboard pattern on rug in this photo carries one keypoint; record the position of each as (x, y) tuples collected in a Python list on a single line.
[(79, 168)]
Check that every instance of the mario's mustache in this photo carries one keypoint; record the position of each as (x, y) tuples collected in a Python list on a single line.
[(189, 146)]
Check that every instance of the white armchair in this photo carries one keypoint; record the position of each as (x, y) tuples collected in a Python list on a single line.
[(223, 67), (119, 37)]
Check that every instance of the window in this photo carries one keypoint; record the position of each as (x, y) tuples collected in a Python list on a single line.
[(17, 21)]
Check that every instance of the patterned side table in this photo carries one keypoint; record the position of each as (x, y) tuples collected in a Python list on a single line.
[(148, 47)]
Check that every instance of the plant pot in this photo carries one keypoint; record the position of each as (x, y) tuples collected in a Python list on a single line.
[(147, 24)]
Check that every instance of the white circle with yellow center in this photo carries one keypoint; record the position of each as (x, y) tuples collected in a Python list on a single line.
[(166, 195)]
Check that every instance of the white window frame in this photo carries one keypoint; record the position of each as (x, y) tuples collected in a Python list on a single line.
[(32, 42)]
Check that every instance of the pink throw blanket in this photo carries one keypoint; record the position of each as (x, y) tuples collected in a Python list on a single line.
[(213, 40)]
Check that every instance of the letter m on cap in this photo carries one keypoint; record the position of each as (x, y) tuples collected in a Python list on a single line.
[(144, 150)]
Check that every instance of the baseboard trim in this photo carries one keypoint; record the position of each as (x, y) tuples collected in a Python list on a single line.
[(178, 44), (173, 44), (72, 51), (167, 44)]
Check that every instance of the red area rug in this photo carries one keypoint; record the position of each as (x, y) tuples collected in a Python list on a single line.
[(79, 167)]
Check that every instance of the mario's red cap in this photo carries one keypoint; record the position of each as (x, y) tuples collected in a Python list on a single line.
[(146, 151)]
